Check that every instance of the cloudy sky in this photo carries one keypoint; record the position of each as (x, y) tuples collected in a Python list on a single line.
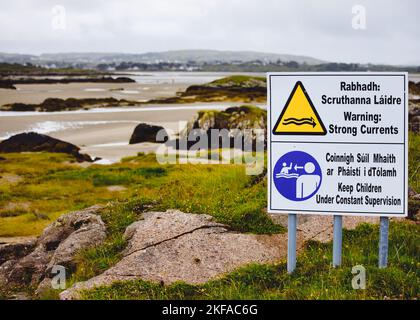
[(322, 29)]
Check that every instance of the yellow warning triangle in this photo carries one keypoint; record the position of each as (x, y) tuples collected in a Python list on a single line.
[(299, 116)]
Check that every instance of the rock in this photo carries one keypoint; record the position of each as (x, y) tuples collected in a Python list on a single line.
[(414, 88), (414, 116), (411, 192), (241, 88), (244, 125), (35, 142), (146, 133), (57, 104), (116, 188), (15, 250), (174, 246), (57, 245)]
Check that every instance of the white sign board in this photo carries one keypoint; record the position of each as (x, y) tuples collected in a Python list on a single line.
[(337, 143)]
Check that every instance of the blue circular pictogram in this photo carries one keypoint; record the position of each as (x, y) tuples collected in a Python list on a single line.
[(297, 176)]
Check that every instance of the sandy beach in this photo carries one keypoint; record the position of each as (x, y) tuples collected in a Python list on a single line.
[(105, 133), (102, 133)]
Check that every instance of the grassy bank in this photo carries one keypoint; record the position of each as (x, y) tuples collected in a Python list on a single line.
[(36, 188)]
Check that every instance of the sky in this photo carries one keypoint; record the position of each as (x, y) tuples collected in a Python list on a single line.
[(375, 31)]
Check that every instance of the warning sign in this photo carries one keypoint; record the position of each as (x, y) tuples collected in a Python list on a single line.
[(299, 115), (337, 143)]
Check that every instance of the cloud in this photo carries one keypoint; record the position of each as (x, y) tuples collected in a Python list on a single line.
[(322, 29)]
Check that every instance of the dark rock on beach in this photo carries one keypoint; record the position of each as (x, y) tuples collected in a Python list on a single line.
[(57, 104), (35, 142), (147, 133), (9, 83)]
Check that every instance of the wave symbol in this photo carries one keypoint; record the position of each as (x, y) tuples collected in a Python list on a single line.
[(299, 121), (287, 175)]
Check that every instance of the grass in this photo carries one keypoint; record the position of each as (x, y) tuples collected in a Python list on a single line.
[(238, 80), (238, 88), (314, 278), (50, 185)]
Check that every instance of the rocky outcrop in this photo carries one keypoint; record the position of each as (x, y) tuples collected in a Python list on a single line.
[(239, 88), (174, 246), (413, 204), (414, 88), (414, 115), (245, 125), (6, 84), (238, 84), (57, 245), (16, 250), (57, 104), (146, 133), (9, 82), (35, 142)]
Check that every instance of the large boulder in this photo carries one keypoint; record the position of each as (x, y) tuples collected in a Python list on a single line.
[(174, 246), (57, 245), (146, 133), (245, 125), (35, 142)]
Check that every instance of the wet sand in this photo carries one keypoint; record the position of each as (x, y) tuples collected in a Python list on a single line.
[(149, 85), (103, 133), (37, 93)]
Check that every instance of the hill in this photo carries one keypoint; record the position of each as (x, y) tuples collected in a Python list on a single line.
[(179, 56)]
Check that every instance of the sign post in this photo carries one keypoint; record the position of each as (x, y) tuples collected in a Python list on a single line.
[(338, 145), (383, 242), (337, 240), (291, 242)]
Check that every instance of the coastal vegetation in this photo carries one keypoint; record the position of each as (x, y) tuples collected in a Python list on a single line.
[(239, 88), (57, 104), (37, 188), (29, 69)]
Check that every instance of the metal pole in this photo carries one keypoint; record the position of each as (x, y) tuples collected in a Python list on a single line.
[(291, 242), (337, 240), (383, 242)]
